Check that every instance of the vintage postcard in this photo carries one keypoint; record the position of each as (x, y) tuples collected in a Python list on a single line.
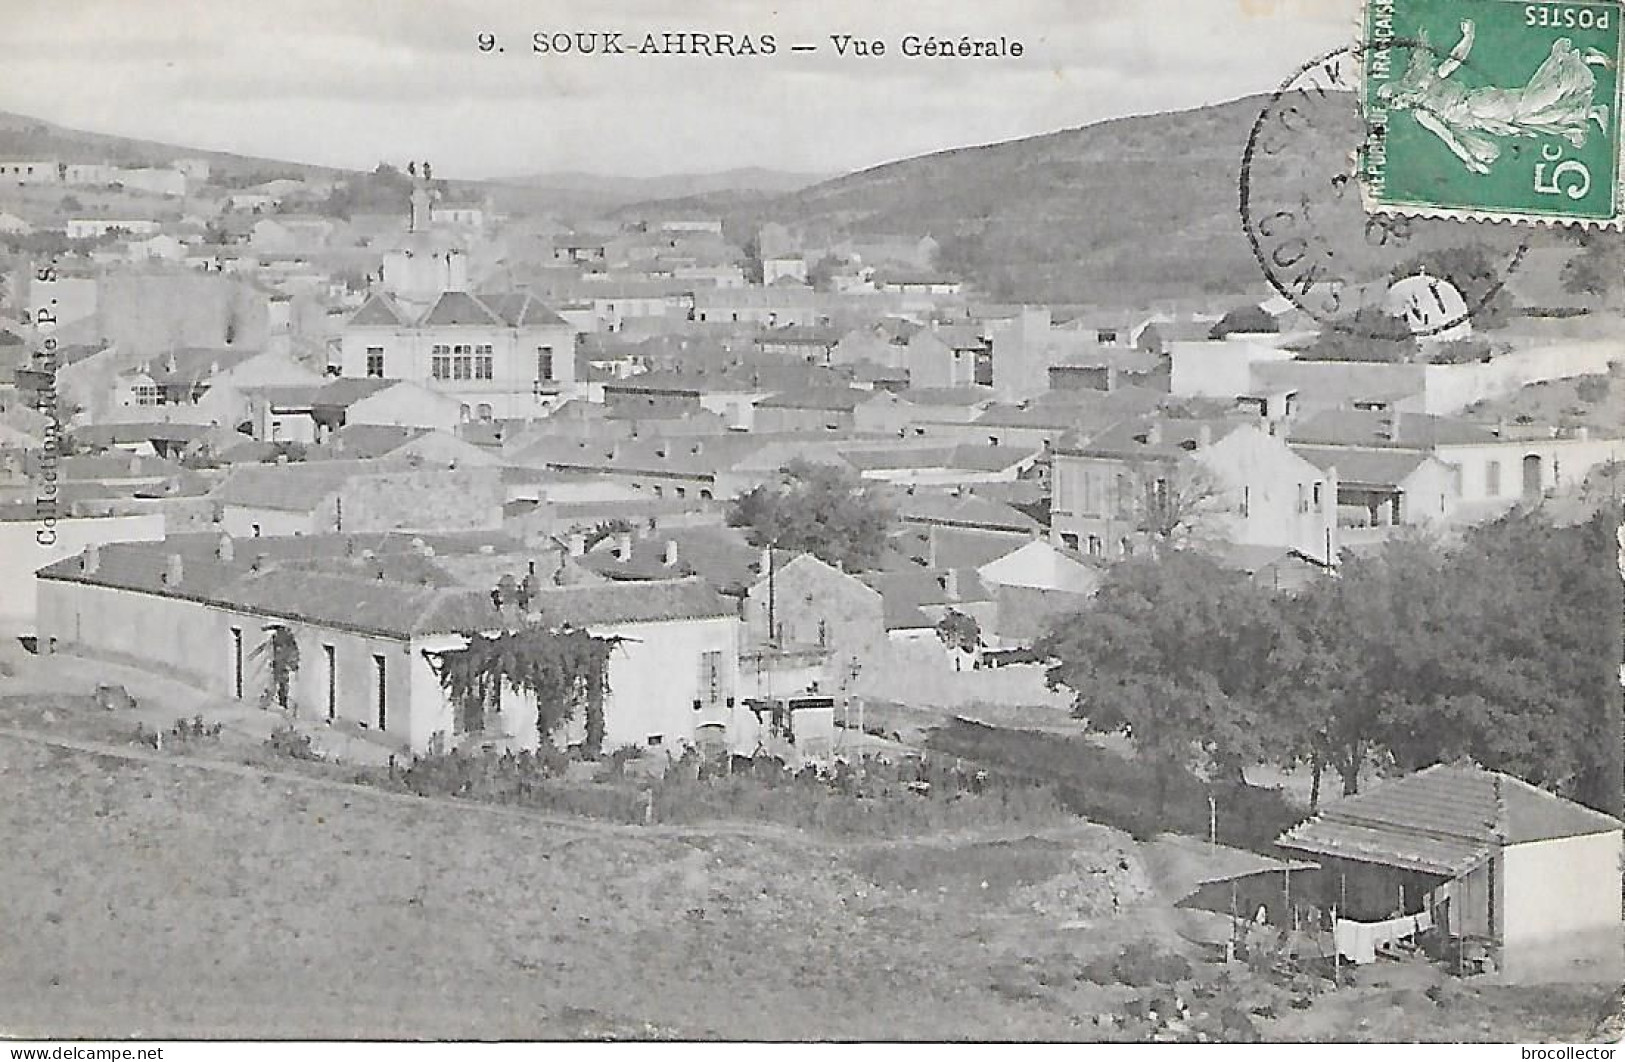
[(1049, 521)]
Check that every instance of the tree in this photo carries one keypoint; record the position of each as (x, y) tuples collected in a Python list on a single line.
[(1245, 319), (564, 669), (1598, 269), (752, 267), (1471, 272), (817, 509), (1368, 334), (1173, 652), (959, 631), (1170, 502), (282, 649)]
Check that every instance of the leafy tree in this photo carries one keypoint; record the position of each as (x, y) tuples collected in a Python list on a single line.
[(1368, 334), (1597, 270), (959, 631), (822, 272), (752, 266), (1173, 652), (1245, 319), (1461, 352), (1470, 270), (819, 509)]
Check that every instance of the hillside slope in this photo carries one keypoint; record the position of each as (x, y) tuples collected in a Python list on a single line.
[(1129, 209)]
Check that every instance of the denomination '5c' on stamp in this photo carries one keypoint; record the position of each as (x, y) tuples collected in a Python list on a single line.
[(1492, 109)]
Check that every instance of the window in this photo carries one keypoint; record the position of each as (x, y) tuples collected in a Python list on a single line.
[(1318, 502), (255, 529), (237, 662), (1247, 500), (655, 740), (1069, 541), (328, 654), (440, 362), (483, 412), (711, 677), (1125, 546), (375, 362), (462, 362), (147, 395), (1492, 479), (380, 679), (1094, 546), (483, 362), (544, 363)]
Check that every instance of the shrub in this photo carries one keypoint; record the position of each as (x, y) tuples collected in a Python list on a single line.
[(1592, 389), (286, 741), (1139, 964)]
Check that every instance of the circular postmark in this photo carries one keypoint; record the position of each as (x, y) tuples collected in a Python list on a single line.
[(1362, 273)]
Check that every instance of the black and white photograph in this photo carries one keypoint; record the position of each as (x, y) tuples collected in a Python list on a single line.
[(1051, 521)]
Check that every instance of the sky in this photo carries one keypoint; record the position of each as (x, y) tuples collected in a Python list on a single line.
[(353, 82)]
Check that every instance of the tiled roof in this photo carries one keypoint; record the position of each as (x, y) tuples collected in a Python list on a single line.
[(386, 606), (347, 391), (193, 365), (1411, 431), (521, 309), (379, 310), (362, 441), (1181, 865), (720, 556), (297, 487), (832, 399), (460, 308), (963, 511), (1371, 468), (947, 396), (1445, 819), (1155, 436)]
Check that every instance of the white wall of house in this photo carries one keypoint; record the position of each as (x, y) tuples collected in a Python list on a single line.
[(26, 546), (1218, 368), (246, 521), (1452, 388), (408, 405), (1561, 905), (1274, 497)]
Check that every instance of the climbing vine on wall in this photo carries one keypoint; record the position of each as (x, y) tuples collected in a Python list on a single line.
[(565, 670), (283, 649)]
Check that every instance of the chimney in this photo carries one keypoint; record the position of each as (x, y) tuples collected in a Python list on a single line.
[(576, 543), (1204, 436), (765, 563), (623, 545), (91, 560), (225, 550), (1111, 378), (174, 570), (671, 553)]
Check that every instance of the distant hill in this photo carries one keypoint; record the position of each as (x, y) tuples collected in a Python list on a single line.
[(25, 137), (1126, 210), (753, 179)]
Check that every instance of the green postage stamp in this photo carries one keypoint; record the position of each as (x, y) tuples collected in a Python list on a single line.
[(1492, 109)]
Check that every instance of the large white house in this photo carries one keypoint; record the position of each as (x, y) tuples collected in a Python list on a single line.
[(507, 356)]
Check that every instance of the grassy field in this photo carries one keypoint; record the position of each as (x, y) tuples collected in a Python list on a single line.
[(172, 897)]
